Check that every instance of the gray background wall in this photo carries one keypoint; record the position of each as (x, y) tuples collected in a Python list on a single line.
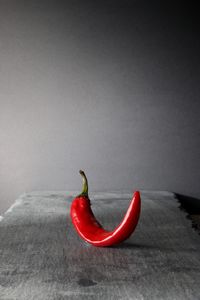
[(111, 87)]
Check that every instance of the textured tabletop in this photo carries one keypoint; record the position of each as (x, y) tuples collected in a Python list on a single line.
[(42, 257)]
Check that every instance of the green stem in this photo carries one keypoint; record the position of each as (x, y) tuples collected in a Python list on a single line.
[(85, 184)]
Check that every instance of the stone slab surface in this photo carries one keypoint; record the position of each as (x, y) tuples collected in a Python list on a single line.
[(42, 257)]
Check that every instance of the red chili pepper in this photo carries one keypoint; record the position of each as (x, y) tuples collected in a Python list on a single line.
[(91, 230)]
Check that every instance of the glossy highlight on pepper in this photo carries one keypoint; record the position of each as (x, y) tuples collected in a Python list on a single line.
[(88, 227)]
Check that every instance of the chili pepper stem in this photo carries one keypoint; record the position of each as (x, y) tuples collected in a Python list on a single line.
[(84, 191)]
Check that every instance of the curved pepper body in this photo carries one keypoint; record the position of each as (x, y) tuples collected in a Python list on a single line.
[(92, 231)]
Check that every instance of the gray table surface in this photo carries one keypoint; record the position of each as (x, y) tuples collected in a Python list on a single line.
[(42, 257)]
